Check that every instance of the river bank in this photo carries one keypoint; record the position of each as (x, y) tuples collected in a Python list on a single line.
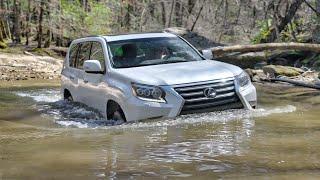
[(15, 67)]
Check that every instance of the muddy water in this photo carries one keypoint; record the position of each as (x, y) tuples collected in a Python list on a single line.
[(42, 137)]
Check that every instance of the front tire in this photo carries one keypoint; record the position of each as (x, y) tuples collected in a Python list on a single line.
[(117, 116), (114, 112), (67, 96)]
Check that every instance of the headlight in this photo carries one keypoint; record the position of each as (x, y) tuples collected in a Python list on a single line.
[(148, 93), (243, 79)]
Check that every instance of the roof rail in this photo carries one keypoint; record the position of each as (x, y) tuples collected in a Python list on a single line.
[(92, 36)]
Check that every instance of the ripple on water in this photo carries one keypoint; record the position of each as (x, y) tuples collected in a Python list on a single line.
[(77, 115)]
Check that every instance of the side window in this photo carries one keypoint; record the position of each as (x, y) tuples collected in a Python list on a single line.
[(97, 53), (73, 55), (84, 54)]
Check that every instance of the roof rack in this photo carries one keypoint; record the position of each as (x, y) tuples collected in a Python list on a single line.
[(119, 34)]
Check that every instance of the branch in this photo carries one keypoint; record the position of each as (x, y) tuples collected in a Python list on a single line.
[(198, 15), (312, 8)]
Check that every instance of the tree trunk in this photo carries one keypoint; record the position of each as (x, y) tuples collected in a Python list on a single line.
[(1, 30), (28, 19), (225, 16), (284, 21), (16, 24), (316, 32), (49, 34), (40, 30), (127, 18), (190, 7), (163, 14), (178, 13), (171, 12), (220, 51), (59, 37)]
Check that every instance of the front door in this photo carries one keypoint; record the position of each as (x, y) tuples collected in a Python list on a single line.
[(93, 82)]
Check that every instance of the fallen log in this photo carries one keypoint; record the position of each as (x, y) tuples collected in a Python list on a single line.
[(297, 83), (221, 50)]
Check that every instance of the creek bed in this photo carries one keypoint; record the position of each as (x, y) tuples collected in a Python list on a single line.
[(42, 136)]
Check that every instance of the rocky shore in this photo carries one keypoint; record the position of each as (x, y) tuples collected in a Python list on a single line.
[(27, 66), (295, 76)]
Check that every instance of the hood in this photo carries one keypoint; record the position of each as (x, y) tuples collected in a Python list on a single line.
[(180, 73)]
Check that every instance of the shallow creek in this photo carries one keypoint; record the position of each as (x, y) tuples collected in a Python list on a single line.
[(43, 137)]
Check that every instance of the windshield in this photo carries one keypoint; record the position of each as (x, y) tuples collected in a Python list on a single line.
[(151, 51)]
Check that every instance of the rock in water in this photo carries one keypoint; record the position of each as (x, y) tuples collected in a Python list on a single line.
[(276, 70)]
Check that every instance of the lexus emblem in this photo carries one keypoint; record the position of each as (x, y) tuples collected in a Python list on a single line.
[(210, 93)]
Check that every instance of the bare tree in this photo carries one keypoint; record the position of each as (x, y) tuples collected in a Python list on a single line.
[(28, 19), (171, 12), (282, 22), (40, 25), (163, 13), (198, 15), (17, 21)]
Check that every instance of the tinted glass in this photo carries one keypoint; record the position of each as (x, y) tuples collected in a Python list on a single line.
[(151, 51), (84, 54), (97, 53), (73, 55)]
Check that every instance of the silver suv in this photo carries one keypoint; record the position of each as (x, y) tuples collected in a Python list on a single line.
[(151, 75)]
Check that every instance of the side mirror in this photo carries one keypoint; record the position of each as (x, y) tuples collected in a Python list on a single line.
[(92, 66), (207, 53)]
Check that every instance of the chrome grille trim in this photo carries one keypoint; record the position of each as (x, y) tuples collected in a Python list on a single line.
[(196, 101)]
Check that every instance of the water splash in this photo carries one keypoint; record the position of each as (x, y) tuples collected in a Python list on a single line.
[(42, 95), (77, 115)]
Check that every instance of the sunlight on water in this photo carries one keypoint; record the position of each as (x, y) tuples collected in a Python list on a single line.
[(77, 115)]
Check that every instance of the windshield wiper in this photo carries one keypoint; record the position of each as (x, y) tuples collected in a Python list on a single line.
[(164, 62), (173, 61)]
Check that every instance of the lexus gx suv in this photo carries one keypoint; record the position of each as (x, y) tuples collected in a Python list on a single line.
[(152, 75)]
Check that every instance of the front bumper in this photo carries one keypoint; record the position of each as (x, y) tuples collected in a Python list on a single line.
[(136, 109)]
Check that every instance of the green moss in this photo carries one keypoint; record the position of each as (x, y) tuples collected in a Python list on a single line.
[(3, 45), (282, 70)]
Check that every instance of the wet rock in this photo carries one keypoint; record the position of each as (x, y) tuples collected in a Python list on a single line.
[(260, 65), (256, 75), (276, 70)]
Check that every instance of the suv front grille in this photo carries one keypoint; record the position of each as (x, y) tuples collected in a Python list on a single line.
[(196, 101)]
